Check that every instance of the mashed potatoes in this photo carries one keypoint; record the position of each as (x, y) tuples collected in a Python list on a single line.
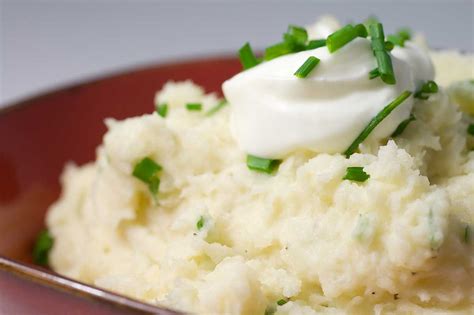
[(399, 243)]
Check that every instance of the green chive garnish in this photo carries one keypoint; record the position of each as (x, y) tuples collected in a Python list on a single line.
[(374, 73), (400, 37), (282, 302), (356, 173), (307, 67), (200, 223), (402, 126), (162, 109), (340, 38), (376, 31), (384, 62), (194, 106), (277, 50), (216, 108), (296, 35), (467, 234), (405, 33), (316, 43), (44, 243), (429, 87), (247, 57), (375, 121), (294, 40), (262, 165), (396, 40), (361, 30), (470, 129), (388, 46), (147, 171)]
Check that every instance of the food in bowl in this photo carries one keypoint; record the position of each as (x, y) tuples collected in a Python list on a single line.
[(336, 177)]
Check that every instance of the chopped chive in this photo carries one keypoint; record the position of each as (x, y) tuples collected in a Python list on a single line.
[(375, 121), (388, 46), (340, 38), (146, 170), (385, 67), (428, 87), (374, 73), (356, 173), (200, 223), (400, 37), (216, 108), (194, 106), (296, 35), (405, 33), (402, 126), (470, 129), (262, 165), (247, 57), (421, 96), (396, 40), (379, 46), (361, 30), (44, 243), (277, 50), (307, 67), (467, 234), (376, 31), (162, 109), (384, 63), (316, 43), (282, 302)]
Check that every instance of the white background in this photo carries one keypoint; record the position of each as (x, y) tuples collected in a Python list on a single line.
[(46, 44)]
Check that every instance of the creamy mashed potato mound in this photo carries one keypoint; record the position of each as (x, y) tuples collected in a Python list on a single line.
[(399, 243)]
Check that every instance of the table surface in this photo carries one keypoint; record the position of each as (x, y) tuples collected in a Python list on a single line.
[(46, 44)]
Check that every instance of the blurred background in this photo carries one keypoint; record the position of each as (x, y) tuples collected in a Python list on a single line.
[(47, 44)]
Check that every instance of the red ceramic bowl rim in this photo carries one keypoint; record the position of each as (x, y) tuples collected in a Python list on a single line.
[(76, 288)]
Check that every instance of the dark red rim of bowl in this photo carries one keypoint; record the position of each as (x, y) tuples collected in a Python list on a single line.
[(79, 289)]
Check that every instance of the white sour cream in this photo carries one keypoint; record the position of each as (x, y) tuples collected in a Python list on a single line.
[(275, 113)]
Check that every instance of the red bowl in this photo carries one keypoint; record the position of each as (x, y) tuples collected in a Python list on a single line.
[(37, 137)]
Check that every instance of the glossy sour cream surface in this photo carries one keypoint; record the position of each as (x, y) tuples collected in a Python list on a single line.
[(274, 113)]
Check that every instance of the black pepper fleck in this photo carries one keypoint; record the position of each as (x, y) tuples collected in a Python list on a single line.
[(395, 296)]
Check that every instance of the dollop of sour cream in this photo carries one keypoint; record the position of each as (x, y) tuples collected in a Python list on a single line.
[(274, 113)]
